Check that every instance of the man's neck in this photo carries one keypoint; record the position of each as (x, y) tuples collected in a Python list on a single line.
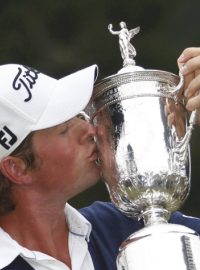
[(39, 228)]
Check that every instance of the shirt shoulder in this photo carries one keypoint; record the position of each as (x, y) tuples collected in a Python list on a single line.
[(188, 221), (109, 229), (105, 216), (18, 264), (111, 216)]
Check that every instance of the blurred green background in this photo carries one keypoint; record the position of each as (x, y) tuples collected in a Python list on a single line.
[(61, 36)]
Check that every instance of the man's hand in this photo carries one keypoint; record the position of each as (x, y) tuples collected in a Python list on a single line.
[(189, 65)]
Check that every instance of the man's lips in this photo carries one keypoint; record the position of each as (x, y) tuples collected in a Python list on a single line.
[(93, 155)]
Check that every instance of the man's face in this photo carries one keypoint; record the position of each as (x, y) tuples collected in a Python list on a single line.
[(65, 158)]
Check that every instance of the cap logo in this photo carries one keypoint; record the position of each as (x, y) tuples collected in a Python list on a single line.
[(25, 78), (7, 137)]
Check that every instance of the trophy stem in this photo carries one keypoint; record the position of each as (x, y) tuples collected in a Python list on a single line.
[(155, 215)]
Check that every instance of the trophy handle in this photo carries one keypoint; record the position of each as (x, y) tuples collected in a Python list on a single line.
[(183, 144), (179, 85), (177, 89)]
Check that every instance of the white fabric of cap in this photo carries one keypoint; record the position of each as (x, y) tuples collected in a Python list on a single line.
[(30, 100)]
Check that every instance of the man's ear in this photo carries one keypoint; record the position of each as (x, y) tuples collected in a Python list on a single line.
[(15, 170)]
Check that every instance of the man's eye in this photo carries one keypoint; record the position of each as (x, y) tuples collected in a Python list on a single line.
[(64, 129), (63, 132), (83, 116)]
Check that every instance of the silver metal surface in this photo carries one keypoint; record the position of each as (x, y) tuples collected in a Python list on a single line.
[(162, 246), (127, 50), (145, 161)]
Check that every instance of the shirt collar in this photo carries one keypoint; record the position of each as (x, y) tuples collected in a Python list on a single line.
[(77, 223), (10, 249)]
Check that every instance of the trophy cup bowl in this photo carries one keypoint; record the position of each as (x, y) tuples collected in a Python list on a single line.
[(145, 161)]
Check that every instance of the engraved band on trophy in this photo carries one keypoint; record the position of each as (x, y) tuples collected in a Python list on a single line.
[(143, 135)]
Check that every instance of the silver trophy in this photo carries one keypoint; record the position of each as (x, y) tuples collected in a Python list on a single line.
[(143, 135)]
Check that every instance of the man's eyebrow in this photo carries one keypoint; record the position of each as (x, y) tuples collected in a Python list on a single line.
[(83, 115)]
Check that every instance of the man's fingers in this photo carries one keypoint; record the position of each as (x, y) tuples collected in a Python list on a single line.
[(190, 66), (188, 54), (193, 87), (193, 103)]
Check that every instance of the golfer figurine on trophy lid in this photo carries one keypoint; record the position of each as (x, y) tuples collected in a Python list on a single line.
[(145, 159)]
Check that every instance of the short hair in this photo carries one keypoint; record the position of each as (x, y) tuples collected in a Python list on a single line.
[(25, 152)]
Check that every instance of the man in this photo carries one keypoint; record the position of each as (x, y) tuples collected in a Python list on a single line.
[(48, 155), (57, 164)]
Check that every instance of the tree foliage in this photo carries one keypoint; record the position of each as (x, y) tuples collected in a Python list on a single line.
[(60, 36)]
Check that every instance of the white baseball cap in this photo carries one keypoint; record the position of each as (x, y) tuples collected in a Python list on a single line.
[(30, 100)]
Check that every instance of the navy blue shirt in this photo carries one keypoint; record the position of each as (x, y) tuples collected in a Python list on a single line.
[(109, 229)]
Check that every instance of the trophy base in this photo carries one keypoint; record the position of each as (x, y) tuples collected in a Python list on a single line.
[(161, 246)]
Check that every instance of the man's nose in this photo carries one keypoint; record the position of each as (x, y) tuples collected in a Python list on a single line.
[(89, 129), (89, 132)]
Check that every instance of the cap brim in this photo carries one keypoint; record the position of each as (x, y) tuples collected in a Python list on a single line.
[(69, 96)]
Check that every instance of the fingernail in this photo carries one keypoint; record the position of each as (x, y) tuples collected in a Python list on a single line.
[(181, 58), (183, 69), (187, 93), (188, 107)]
